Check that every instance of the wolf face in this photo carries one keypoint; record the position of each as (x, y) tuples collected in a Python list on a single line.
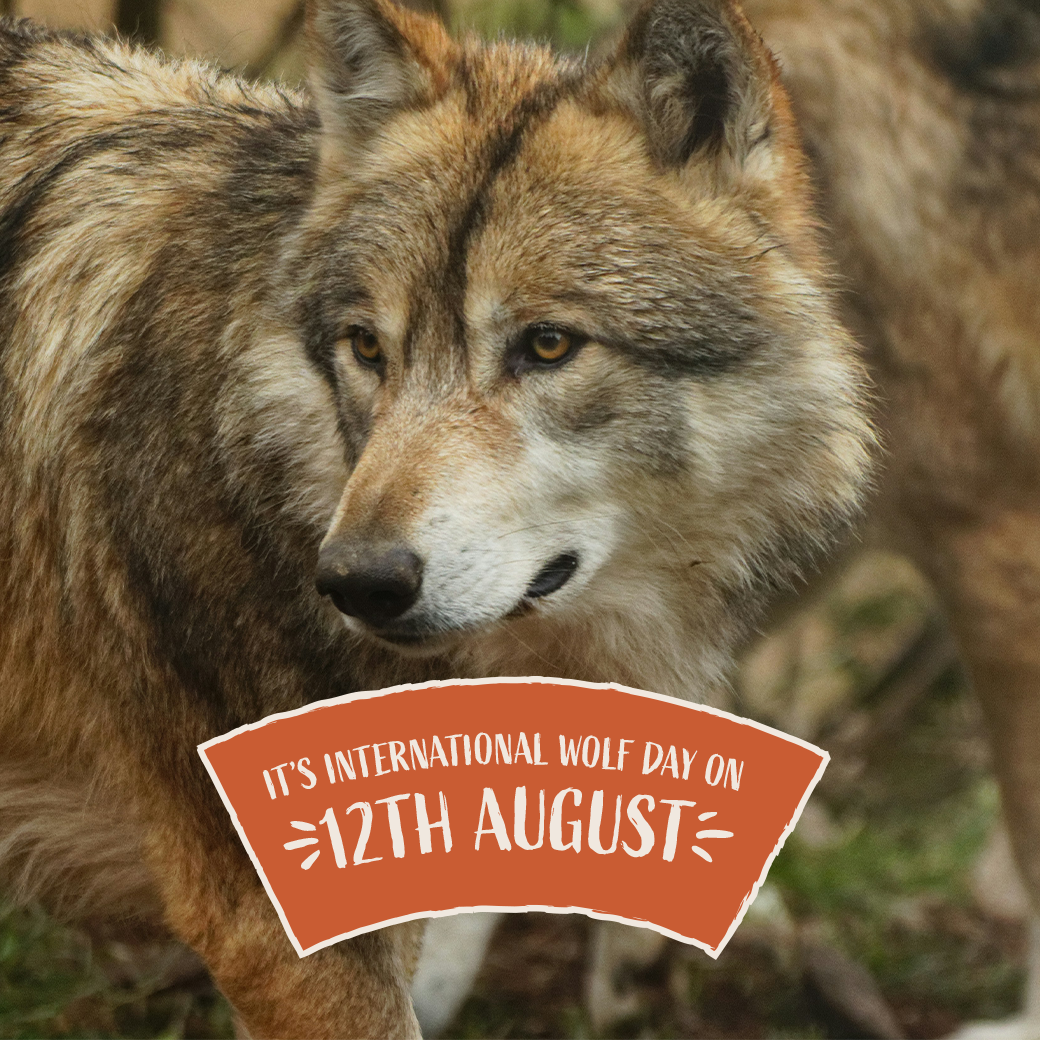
[(574, 323)]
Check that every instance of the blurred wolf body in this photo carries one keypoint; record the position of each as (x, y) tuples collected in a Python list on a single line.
[(481, 362), (922, 121)]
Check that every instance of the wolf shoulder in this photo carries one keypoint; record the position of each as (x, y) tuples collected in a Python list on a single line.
[(119, 147)]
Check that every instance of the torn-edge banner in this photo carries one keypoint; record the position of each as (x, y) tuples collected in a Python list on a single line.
[(511, 794)]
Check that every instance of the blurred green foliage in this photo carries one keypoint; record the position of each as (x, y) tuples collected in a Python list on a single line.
[(567, 24), (54, 983)]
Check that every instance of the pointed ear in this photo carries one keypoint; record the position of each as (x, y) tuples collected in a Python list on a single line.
[(369, 60), (700, 80)]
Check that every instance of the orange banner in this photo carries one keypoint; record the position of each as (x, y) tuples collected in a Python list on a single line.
[(511, 794)]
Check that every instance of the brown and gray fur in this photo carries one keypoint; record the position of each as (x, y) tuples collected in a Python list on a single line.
[(923, 122), (187, 438)]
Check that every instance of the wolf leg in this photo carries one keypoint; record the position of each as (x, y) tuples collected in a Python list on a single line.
[(990, 575), (618, 950), (214, 901), (452, 955)]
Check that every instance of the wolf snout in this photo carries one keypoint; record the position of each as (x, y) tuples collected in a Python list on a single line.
[(374, 584)]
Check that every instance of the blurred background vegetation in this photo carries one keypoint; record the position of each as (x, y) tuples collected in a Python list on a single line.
[(893, 909)]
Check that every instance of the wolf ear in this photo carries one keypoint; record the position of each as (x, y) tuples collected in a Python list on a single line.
[(700, 80), (369, 60)]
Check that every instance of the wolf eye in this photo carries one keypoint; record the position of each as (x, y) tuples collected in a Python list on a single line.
[(550, 344), (547, 345), (365, 345)]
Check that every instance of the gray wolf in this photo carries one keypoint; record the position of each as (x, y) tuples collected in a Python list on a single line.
[(472, 360)]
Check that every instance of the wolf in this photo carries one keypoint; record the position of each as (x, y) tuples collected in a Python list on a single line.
[(469, 360)]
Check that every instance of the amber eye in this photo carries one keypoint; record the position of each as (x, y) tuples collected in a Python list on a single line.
[(549, 344), (365, 345)]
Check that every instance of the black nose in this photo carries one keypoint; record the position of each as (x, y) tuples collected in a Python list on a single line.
[(373, 583)]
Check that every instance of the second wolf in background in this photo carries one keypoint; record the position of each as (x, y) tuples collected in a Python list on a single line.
[(923, 124)]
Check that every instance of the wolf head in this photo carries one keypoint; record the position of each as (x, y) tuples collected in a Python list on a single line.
[(576, 328)]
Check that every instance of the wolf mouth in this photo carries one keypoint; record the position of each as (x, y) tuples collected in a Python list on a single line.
[(415, 640), (554, 575)]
